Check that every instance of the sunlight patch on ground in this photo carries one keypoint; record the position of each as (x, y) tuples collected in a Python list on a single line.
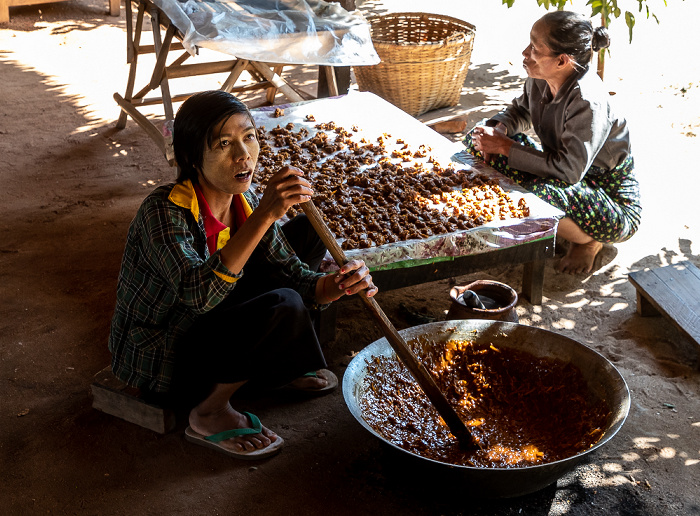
[(610, 289), (618, 306), (667, 453), (645, 443), (89, 88), (630, 456), (578, 304), (564, 324)]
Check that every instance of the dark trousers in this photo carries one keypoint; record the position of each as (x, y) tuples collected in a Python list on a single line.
[(260, 333)]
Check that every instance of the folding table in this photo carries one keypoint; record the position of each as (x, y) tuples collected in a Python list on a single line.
[(169, 37)]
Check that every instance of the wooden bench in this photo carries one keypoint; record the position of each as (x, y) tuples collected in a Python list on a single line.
[(112, 396), (6, 4), (672, 291)]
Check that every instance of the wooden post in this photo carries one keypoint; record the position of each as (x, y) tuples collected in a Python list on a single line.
[(341, 73), (4, 11), (132, 55), (533, 281), (272, 91), (114, 7)]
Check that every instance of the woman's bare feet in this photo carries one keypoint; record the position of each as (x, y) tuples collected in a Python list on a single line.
[(230, 419), (580, 257)]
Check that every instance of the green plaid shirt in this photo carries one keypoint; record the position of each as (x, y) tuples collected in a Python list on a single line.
[(168, 278)]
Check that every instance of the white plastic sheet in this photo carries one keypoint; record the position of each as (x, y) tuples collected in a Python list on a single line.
[(374, 117), (274, 31)]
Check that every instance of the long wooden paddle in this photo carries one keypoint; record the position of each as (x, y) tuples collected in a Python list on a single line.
[(417, 369)]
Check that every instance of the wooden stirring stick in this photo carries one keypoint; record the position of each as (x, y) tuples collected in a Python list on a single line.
[(417, 369)]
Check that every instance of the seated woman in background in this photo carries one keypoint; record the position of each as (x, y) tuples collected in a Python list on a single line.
[(584, 165), (213, 293)]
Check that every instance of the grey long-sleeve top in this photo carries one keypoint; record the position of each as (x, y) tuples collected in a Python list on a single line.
[(577, 128)]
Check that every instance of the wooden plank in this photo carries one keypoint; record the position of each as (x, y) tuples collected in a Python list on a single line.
[(163, 49), (180, 97), (681, 280), (277, 81), (113, 397), (674, 292), (191, 70), (141, 120), (236, 71), (151, 49)]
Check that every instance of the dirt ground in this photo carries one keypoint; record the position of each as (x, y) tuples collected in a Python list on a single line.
[(71, 184)]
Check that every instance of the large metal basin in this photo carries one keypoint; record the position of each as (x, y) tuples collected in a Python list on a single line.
[(604, 381)]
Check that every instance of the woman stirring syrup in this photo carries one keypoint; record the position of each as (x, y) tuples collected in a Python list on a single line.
[(214, 293)]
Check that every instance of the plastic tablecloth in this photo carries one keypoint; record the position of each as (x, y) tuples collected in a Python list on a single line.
[(274, 31), (374, 116)]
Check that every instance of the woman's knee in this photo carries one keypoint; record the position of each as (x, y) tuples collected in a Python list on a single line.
[(289, 300)]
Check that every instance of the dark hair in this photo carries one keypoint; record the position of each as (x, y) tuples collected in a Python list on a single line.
[(193, 130), (572, 34)]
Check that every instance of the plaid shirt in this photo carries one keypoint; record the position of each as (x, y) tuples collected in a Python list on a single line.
[(168, 278)]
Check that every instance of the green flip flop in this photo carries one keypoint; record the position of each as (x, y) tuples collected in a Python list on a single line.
[(214, 441), (237, 432), (331, 378)]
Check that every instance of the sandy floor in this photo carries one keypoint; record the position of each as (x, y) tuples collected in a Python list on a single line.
[(71, 184)]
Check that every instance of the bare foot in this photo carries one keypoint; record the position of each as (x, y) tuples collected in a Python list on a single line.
[(580, 257), (318, 382), (229, 419), (450, 126)]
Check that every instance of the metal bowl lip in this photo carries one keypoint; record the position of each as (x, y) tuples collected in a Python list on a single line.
[(382, 347)]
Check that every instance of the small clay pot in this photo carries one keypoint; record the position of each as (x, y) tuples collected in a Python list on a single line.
[(505, 297)]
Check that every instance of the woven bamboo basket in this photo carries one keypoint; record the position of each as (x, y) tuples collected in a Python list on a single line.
[(424, 60)]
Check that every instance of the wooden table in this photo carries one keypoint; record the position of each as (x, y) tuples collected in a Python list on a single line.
[(365, 109), (168, 38)]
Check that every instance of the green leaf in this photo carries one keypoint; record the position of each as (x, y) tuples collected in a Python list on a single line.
[(629, 20), (604, 8)]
